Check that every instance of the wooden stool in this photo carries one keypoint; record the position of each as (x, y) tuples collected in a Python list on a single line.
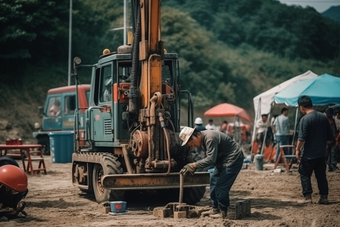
[(34, 156), (284, 157)]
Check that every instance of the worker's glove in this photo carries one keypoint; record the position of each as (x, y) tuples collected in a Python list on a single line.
[(188, 169)]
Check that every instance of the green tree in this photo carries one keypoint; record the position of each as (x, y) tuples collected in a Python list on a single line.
[(32, 28)]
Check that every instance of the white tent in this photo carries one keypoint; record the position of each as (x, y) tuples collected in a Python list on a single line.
[(264, 101), (323, 90)]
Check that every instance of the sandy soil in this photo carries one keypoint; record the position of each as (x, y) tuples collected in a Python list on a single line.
[(276, 200)]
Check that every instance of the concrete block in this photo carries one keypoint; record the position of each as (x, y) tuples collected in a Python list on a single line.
[(180, 214), (106, 209), (241, 209), (161, 212), (202, 210), (247, 208), (193, 213)]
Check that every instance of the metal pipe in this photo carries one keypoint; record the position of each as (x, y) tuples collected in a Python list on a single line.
[(127, 160), (125, 22), (151, 127), (157, 164), (70, 44), (167, 149), (181, 180), (167, 141), (295, 124)]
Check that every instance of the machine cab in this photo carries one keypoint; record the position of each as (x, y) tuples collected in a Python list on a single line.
[(109, 101)]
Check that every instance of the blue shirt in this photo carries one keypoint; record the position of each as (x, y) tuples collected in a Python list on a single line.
[(281, 125), (200, 128)]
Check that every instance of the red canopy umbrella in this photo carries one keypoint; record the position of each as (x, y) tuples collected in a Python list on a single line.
[(227, 110)]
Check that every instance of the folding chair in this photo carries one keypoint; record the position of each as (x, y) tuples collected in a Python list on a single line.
[(287, 164), (34, 156)]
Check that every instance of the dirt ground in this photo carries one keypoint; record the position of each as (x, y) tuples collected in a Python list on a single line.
[(276, 200)]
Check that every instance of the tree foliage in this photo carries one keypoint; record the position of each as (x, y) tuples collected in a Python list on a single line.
[(32, 28), (229, 50), (290, 31)]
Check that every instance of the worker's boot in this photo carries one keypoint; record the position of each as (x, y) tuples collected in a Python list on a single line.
[(323, 199), (222, 214), (214, 210), (308, 198)]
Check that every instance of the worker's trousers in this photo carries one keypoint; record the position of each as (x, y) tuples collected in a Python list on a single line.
[(221, 182), (332, 156), (306, 168), (281, 140)]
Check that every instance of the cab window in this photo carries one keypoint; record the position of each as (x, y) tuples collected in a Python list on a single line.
[(69, 104), (54, 106), (106, 84)]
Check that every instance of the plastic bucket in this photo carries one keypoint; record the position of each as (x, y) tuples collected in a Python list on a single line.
[(259, 162), (118, 206), (61, 146)]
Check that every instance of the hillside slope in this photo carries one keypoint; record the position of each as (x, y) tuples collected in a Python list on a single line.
[(18, 113), (228, 52), (333, 13)]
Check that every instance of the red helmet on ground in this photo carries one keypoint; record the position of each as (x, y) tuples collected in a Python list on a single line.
[(13, 177)]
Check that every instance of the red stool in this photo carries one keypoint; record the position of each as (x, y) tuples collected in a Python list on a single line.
[(287, 164)]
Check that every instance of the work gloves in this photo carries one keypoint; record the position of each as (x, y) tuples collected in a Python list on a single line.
[(188, 169)]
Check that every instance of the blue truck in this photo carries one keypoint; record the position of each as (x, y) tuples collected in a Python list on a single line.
[(58, 113)]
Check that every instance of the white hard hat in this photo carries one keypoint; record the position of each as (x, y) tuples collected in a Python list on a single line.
[(37, 125), (198, 121), (185, 134)]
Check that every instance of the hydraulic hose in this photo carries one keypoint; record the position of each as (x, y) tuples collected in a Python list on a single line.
[(133, 93), (167, 141)]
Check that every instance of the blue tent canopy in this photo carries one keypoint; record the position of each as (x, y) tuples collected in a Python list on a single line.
[(323, 90)]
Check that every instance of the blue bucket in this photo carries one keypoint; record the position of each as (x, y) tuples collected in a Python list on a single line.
[(118, 206)]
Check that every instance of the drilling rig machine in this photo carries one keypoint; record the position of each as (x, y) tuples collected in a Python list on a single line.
[(133, 120)]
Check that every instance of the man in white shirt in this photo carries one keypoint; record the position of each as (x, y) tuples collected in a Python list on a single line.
[(210, 125), (262, 125)]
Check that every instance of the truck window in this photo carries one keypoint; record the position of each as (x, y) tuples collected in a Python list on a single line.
[(167, 73), (69, 104), (124, 71), (106, 84), (54, 107), (87, 93)]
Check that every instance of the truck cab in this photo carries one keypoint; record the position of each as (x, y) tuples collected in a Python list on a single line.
[(58, 113)]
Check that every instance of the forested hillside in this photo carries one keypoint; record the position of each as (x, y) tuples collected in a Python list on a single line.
[(333, 13), (229, 50)]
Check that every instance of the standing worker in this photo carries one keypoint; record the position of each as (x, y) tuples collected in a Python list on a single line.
[(199, 124), (262, 132), (197, 153), (336, 112), (332, 149), (210, 125), (281, 129), (314, 134), (222, 153), (225, 127)]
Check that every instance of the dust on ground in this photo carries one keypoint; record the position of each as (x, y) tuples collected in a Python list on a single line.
[(276, 200)]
